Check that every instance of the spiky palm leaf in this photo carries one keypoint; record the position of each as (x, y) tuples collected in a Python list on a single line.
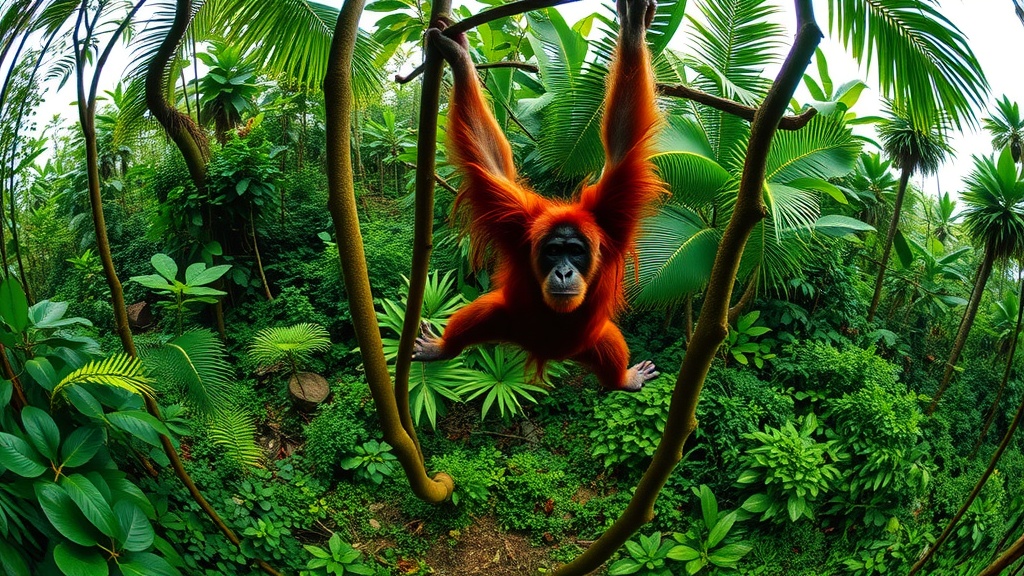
[(117, 371), (195, 363), (502, 379), (292, 38), (299, 342), (1006, 127), (994, 201), (921, 56), (235, 431)]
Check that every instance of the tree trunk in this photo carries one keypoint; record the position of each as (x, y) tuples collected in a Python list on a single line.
[(186, 134), (887, 248), (342, 205), (1006, 371), (965, 326)]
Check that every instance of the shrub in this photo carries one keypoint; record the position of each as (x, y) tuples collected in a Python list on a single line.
[(336, 429), (536, 495), (831, 372), (631, 424)]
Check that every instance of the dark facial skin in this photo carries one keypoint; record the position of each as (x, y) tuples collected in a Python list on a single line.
[(564, 261)]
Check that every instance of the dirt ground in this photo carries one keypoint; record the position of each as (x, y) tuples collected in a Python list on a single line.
[(483, 549)]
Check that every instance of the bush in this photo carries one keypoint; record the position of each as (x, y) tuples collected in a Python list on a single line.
[(830, 372), (337, 429), (536, 495), (631, 424)]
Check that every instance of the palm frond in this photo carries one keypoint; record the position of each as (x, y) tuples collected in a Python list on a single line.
[(234, 430), (117, 371), (824, 149), (994, 201), (195, 362), (292, 38), (675, 252), (571, 116), (920, 55), (733, 45)]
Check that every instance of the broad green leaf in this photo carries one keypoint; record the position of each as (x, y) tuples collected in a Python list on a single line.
[(683, 553), (721, 529), (92, 504), (6, 391), (64, 515), (136, 532), (42, 372), (205, 276), (727, 556), (42, 431), (839, 226), (708, 504), (13, 304), (145, 564), (624, 566), (76, 561), (165, 266), (11, 561), (139, 424), (153, 281), (19, 457), (899, 242), (757, 503), (81, 445)]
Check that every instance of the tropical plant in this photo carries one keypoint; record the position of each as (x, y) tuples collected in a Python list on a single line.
[(708, 542), (792, 468), (373, 461), (338, 560), (292, 344), (993, 218), (741, 343), (646, 557), (194, 290), (912, 145), (1006, 127), (228, 87), (502, 376)]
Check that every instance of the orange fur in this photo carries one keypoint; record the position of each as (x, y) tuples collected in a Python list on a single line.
[(509, 221)]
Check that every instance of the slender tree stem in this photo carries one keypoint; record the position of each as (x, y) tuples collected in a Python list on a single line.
[(711, 326), (1006, 371), (342, 206), (973, 495), (423, 243), (889, 236)]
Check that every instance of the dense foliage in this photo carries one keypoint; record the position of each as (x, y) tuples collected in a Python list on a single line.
[(822, 446)]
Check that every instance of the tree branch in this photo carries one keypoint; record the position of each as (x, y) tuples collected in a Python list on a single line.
[(733, 107), (503, 11)]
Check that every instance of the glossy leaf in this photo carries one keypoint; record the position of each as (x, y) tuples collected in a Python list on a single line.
[(42, 431), (76, 561)]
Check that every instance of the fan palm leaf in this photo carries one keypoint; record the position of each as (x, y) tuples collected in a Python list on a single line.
[(117, 371), (1006, 127), (920, 55), (194, 363), (300, 342)]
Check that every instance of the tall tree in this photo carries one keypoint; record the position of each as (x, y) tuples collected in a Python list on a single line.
[(913, 145), (1006, 127), (994, 219)]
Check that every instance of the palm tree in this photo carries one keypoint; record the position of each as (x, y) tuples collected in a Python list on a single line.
[(912, 146), (994, 218), (1006, 127)]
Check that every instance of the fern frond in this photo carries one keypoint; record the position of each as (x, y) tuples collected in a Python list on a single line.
[(235, 431), (196, 363), (117, 371)]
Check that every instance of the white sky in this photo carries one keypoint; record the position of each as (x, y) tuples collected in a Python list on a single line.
[(991, 26)]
